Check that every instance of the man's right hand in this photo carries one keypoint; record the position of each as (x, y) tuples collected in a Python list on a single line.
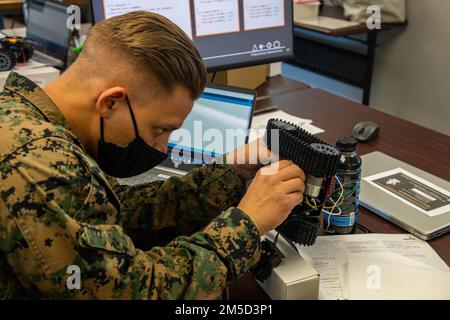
[(271, 197)]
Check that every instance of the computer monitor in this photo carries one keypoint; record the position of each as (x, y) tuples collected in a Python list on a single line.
[(218, 124), (228, 33), (47, 26)]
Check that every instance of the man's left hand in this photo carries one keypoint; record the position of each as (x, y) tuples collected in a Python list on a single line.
[(249, 158)]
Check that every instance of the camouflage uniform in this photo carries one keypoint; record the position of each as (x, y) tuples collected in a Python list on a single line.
[(57, 208)]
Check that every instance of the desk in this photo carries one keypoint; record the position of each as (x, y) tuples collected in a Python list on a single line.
[(416, 145), (16, 5), (338, 13), (318, 50), (279, 85), (77, 2), (10, 5)]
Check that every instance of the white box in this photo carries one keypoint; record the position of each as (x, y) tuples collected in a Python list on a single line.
[(274, 69), (294, 279), (41, 76)]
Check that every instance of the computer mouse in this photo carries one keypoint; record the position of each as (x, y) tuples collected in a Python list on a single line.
[(365, 131)]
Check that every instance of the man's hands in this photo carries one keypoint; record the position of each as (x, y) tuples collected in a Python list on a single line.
[(249, 158), (271, 197), (275, 190)]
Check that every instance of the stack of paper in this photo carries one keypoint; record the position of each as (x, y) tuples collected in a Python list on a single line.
[(378, 266), (327, 23), (259, 123), (306, 9)]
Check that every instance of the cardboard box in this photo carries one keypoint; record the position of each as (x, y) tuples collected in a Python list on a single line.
[(250, 77), (294, 279)]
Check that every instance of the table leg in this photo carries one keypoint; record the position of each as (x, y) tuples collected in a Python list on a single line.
[(371, 47)]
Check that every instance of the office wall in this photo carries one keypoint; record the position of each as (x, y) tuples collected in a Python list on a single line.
[(412, 69)]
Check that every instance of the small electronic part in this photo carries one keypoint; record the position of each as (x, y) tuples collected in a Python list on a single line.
[(14, 50)]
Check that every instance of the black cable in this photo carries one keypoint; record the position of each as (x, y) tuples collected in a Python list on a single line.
[(291, 243), (275, 241), (213, 77), (363, 229)]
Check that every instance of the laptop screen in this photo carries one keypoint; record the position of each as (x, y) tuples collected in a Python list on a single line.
[(46, 25), (218, 123)]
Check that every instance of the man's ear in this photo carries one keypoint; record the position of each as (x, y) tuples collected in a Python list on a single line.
[(109, 100)]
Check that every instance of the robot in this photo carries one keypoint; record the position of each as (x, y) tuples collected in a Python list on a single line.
[(14, 50), (319, 161)]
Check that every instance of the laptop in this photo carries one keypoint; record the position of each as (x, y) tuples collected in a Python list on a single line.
[(409, 197), (219, 122), (47, 26)]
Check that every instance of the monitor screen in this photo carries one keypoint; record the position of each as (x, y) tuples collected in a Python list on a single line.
[(47, 26), (218, 124), (228, 33)]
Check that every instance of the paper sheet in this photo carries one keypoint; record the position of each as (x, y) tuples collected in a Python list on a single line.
[(371, 279), (420, 194), (16, 32), (30, 64), (327, 22), (174, 10), (263, 14), (331, 255), (216, 17), (259, 123)]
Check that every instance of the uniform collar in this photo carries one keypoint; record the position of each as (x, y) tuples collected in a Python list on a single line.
[(30, 91)]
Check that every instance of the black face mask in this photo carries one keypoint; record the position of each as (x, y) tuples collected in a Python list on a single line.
[(136, 158)]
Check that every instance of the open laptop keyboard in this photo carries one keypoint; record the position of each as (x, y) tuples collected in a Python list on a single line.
[(152, 175)]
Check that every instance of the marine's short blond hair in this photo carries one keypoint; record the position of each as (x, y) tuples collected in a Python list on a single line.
[(153, 43)]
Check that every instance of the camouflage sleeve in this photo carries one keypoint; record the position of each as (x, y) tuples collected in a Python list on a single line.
[(157, 212), (57, 227)]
